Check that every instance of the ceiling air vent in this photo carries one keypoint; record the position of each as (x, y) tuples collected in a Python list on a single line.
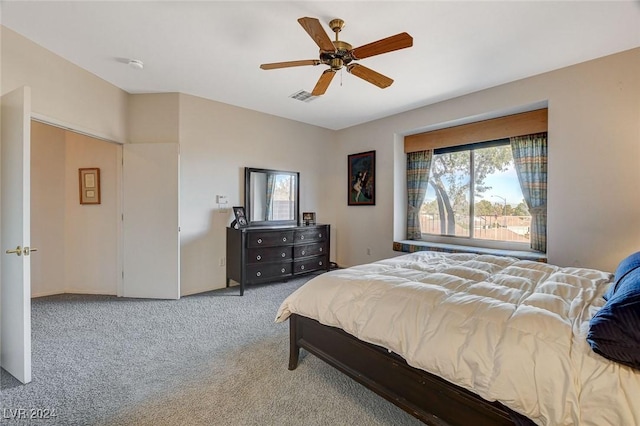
[(303, 95)]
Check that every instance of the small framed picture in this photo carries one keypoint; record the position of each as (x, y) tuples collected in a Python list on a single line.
[(241, 217), (309, 218), (89, 185)]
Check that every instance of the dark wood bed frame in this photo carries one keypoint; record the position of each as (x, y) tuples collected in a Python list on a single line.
[(429, 398)]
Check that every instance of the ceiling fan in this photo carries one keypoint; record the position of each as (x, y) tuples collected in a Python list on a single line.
[(338, 54)]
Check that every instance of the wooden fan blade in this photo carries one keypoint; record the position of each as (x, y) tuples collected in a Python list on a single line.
[(313, 27), (370, 75), (389, 44), (276, 65), (323, 82)]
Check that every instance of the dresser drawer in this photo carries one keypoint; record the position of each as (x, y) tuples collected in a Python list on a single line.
[(307, 250), (268, 271), (268, 254), (310, 264), (310, 235), (267, 239)]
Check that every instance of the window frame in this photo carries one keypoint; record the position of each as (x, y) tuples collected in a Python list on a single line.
[(470, 240)]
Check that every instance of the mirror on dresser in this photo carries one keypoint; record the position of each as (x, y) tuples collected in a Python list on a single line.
[(272, 197)]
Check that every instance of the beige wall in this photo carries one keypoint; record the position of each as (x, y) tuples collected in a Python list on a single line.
[(594, 214), (48, 205), (62, 92), (153, 118), (82, 259), (594, 159), (216, 142), (78, 244), (91, 246)]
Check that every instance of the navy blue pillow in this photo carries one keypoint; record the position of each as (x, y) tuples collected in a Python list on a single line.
[(607, 295), (627, 265), (614, 331)]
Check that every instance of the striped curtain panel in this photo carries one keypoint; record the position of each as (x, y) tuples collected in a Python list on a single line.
[(530, 159), (418, 166)]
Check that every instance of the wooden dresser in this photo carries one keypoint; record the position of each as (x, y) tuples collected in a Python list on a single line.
[(275, 253)]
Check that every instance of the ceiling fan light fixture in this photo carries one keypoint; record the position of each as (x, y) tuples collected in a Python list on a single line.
[(336, 63)]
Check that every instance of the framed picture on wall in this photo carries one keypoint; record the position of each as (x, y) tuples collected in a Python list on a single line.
[(361, 180), (89, 185)]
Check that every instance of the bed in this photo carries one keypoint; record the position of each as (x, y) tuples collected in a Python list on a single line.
[(473, 339)]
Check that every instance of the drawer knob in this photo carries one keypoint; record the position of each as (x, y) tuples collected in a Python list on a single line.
[(259, 240), (320, 248), (302, 267), (319, 235), (258, 257), (302, 237), (282, 270), (320, 263), (284, 239), (258, 274), (284, 254), (304, 252)]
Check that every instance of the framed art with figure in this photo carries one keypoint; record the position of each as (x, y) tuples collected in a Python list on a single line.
[(362, 184)]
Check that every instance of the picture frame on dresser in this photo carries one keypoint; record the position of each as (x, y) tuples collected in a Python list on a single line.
[(308, 218), (240, 217)]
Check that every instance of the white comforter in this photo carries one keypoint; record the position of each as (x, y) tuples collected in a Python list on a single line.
[(508, 330)]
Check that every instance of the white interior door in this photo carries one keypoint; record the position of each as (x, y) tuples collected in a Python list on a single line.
[(15, 320), (151, 240)]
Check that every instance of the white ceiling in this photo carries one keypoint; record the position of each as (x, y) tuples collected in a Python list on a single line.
[(213, 49)]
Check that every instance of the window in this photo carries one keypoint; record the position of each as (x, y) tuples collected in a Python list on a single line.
[(474, 193)]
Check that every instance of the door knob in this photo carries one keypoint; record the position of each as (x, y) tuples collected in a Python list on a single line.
[(29, 250), (18, 251)]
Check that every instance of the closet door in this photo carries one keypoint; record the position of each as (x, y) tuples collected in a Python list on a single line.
[(151, 239), (15, 319)]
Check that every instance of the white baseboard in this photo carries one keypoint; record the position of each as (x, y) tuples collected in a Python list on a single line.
[(84, 291), (203, 290), (46, 293), (70, 291)]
